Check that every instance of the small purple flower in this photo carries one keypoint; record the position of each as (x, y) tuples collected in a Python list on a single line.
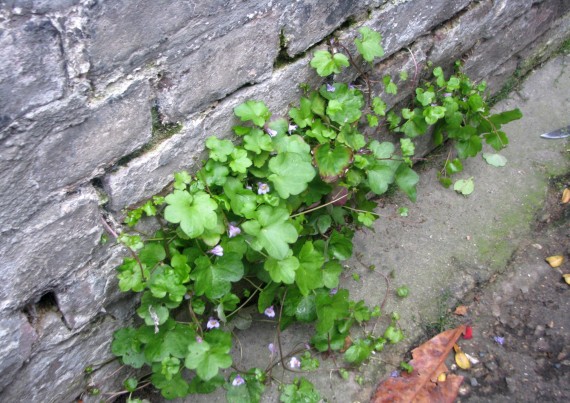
[(270, 312), (447, 94), (238, 380), (351, 87), (330, 88), (333, 291), (499, 340), (233, 230), (271, 132), (217, 250), (272, 348), (294, 363), (199, 339), (212, 323), (262, 188), (292, 128), (394, 374)]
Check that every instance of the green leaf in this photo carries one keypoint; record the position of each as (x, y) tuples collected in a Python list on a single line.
[(332, 162), (302, 116), (370, 44), (291, 173), (403, 75), (331, 274), (393, 335), (382, 150), (379, 106), (248, 392), (464, 186), (210, 355), (309, 275), (170, 388), (380, 176), (282, 271), (372, 120), (407, 146), (433, 113), (254, 111), (214, 173), (331, 308), (402, 291), (214, 280), (127, 346), (195, 212), (181, 179), (242, 201), (454, 166), (164, 281), (506, 117), (324, 223), (151, 254), (498, 140), (340, 246), (300, 391), (390, 86), (359, 351), (131, 276), (469, 148), (495, 159), (407, 179), (345, 104), (257, 141), (239, 161), (130, 384), (219, 149), (327, 64), (424, 97), (273, 231)]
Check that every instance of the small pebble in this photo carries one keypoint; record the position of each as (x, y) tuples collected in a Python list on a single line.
[(474, 382)]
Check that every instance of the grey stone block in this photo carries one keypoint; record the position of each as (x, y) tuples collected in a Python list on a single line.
[(16, 339), (38, 6), (220, 66), (31, 66), (118, 127), (59, 241), (514, 38), (307, 22), (56, 368)]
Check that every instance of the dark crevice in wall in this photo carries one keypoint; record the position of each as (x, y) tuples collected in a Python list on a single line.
[(46, 303)]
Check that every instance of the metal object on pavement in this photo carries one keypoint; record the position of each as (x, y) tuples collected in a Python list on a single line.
[(557, 134)]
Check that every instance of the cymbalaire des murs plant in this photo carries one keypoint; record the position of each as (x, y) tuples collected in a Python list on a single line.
[(269, 220)]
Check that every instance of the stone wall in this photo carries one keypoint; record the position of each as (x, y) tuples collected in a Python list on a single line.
[(102, 101)]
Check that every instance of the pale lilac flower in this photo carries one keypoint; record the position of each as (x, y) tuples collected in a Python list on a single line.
[(217, 250), (272, 348), (333, 291), (271, 132), (294, 363), (395, 374), (292, 127), (262, 188), (238, 380), (499, 340), (199, 339), (351, 87), (330, 88), (270, 312), (233, 230), (213, 323), (447, 94)]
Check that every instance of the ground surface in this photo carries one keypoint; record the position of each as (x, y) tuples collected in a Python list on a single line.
[(485, 251)]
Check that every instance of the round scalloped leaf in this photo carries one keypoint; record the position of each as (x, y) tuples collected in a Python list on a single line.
[(332, 162)]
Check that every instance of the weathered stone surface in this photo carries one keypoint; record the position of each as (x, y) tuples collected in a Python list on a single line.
[(400, 23), (59, 241), (161, 28), (37, 6), (56, 368), (220, 66), (115, 129), (307, 22), (31, 66), (21, 196), (514, 37), (16, 339)]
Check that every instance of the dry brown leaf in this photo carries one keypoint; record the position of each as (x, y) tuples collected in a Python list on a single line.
[(422, 385), (565, 196), (461, 310), (555, 261)]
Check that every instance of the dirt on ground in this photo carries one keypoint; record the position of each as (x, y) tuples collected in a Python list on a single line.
[(521, 319)]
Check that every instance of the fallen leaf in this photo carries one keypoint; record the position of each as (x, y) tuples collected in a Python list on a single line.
[(422, 384), (495, 160), (461, 358), (565, 196), (461, 310), (464, 186), (567, 278), (555, 261)]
